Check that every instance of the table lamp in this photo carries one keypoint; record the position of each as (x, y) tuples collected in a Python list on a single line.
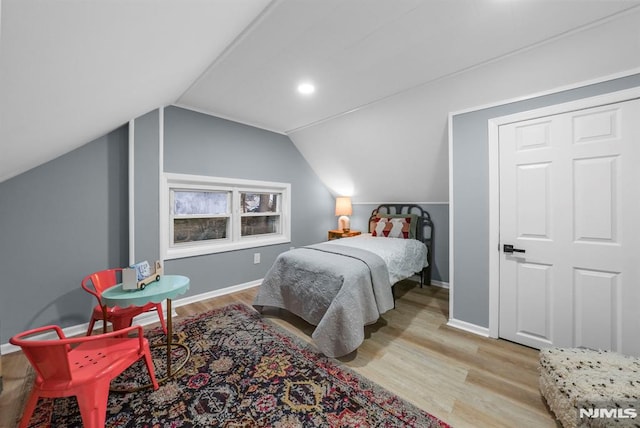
[(343, 209)]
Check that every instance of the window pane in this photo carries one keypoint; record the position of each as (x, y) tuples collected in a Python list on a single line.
[(186, 202), (259, 202), (259, 225), (199, 229)]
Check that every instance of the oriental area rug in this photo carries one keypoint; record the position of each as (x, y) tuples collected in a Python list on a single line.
[(244, 371)]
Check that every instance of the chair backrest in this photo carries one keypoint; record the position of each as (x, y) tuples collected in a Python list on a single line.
[(48, 357), (99, 281)]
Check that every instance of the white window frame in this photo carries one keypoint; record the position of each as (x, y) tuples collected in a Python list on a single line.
[(172, 182)]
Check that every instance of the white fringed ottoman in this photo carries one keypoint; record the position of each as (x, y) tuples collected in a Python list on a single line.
[(574, 378)]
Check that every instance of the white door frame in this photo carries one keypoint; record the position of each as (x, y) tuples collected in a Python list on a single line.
[(494, 182)]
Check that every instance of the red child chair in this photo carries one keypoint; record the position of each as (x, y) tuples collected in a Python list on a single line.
[(82, 366), (120, 318)]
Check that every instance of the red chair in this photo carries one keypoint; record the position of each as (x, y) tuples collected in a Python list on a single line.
[(82, 366), (120, 318)]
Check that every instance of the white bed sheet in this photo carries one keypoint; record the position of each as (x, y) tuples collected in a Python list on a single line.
[(403, 257)]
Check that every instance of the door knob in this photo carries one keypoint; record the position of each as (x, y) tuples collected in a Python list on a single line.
[(509, 249)]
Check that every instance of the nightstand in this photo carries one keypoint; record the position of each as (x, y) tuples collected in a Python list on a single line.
[(337, 234)]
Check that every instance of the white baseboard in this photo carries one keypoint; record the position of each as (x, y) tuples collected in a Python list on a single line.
[(142, 319), (467, 326), (440, 284), (434, 282), (215, 293)]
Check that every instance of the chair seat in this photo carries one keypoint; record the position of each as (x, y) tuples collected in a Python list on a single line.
[(128, 312), (90, 362)]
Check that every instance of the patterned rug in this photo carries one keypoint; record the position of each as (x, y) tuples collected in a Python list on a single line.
[(244, 371)]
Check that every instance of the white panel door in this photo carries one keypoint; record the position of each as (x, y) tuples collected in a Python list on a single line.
[(570, 207)]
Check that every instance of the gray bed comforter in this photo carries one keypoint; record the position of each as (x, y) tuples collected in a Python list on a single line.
[(336, 288)]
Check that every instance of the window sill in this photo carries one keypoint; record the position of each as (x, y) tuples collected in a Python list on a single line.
[(202, 250)]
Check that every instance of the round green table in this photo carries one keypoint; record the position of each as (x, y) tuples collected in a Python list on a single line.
[(167, 288)]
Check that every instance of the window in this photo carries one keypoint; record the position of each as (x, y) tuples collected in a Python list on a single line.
[(209, 214), (199, 215), (259, 213)]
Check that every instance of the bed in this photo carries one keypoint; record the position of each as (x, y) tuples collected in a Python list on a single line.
[(342, 285)]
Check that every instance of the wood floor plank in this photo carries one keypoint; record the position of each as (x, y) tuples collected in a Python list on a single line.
[(462, 378)]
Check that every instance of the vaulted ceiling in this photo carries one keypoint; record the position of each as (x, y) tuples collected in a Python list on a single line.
[(73, 70)]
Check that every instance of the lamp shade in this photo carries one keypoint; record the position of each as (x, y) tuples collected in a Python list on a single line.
[(343, 206)]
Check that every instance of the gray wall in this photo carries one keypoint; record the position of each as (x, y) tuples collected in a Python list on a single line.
[(199, 144), (69, 217), (58, 223), (440, 217), (471, 195)]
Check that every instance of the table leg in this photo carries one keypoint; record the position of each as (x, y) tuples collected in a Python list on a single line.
[(168, 345), (104, 319), (169, 336)]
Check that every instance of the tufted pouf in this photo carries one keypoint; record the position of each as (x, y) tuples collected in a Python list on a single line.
[(571, 378)]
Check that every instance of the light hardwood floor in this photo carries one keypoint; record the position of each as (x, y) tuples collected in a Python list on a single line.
[(463, 379)]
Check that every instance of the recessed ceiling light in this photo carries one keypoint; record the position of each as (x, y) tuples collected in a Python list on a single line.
[(306, 88)]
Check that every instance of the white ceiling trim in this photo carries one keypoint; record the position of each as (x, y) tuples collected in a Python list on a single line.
[(600, 79)]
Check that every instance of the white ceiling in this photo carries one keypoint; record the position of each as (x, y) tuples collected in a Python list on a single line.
[(73, 70), (360, 51)]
